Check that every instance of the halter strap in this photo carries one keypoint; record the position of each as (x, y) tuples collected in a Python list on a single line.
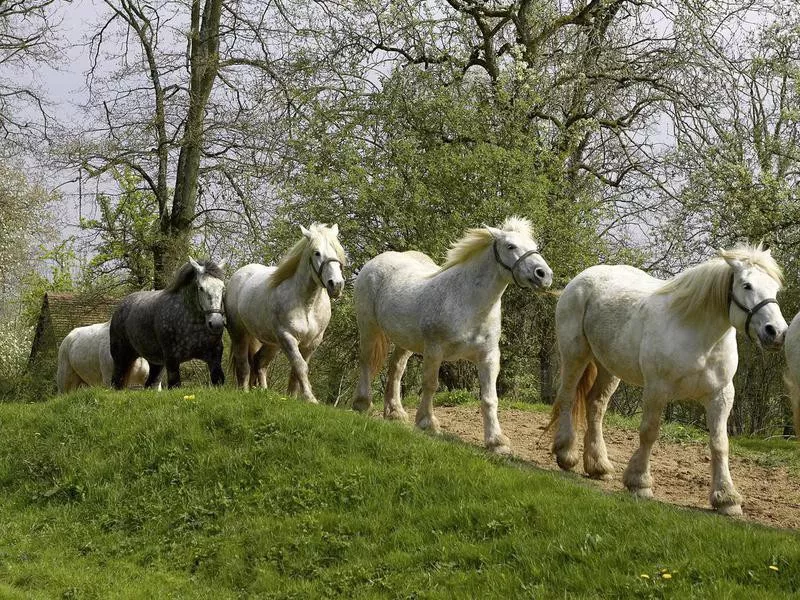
[(318, 272), (748, 311), (512, 268)]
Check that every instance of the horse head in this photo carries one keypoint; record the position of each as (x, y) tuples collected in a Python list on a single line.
[(752, 303), (326, 256), (517, 251), (210, 291)]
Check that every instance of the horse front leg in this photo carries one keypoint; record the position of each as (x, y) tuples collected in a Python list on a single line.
[(425, 419), (173, 374), (154, 376), (637, 476), (299, 365), (214, 363), (488, 370), (724, 497)]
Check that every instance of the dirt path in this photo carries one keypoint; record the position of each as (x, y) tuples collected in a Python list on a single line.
[(681, 471)]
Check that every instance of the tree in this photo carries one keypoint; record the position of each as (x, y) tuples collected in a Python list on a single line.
[(26, 39), (124, 237)]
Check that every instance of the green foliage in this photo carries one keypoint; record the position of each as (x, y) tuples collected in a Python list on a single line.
[(230, 495), (23, 216), (412, 168), (126, 232)]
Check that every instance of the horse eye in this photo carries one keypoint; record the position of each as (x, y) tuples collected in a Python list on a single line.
[(511, 247), (316, 253), (747, 286)]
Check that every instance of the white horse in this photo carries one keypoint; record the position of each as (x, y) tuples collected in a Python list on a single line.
[(84, 358), (444, 313), (285, 307), (792, 374), (675, 339)]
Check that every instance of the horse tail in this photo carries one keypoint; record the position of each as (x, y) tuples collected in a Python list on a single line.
[(377, 352), (578, 402), (794, 397)]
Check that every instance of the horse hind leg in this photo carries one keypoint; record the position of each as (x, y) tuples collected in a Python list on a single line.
[(67, 379), (393, 404), (373, 347), (260, 362), (576, 381), (595, 456), (637, 476), (240, 358)]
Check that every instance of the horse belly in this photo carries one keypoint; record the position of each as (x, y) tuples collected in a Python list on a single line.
[(615, 341)]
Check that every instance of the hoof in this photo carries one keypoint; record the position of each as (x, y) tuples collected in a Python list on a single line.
[(430, 424), (567, 460), (499, 444), (396, 415), (646, 493), (362, 404), (502, 450), (311, 400), (601, 469), (727, 501), (730, 510)]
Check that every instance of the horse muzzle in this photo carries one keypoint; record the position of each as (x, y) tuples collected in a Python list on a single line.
[(541, 279), (215, 322), (334, 288), (771, 337)]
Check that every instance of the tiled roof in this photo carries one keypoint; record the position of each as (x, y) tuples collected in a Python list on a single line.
[(68, 311)]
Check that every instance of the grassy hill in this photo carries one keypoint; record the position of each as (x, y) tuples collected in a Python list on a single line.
[(228, 495)]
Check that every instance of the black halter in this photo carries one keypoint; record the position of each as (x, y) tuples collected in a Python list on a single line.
[(318, 272), (513, 268), (748, 311)]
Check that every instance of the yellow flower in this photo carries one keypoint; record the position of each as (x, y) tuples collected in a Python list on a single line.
[(774, 568), (189, 397), (644, 576), (666, 576)]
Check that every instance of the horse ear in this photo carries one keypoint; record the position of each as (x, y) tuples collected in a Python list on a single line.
[(195, 265), (734, 263), (305, 231), (335, 229), (493, 230)]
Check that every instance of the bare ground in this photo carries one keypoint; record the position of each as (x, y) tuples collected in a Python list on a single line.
[(681, 471)]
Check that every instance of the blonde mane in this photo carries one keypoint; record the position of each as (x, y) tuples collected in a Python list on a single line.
[(702, 291), (288, 265), (477, 239)]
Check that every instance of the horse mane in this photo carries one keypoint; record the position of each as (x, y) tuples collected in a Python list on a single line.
[(186, 275), (478, 239), (703, 290), (288, 265)]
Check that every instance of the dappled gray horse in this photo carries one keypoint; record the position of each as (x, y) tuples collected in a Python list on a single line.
[(170, 326)]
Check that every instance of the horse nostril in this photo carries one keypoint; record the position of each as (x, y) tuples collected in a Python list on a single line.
[(770, 330), (540, 273), (330, 283)]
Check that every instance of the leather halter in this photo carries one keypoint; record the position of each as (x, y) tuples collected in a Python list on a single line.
[(512, 268), (318, 272), (748, 311)]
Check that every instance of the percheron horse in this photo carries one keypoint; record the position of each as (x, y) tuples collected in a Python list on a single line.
[(170, 326)]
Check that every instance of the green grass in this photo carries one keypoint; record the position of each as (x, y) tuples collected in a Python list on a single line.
[(229, 495)]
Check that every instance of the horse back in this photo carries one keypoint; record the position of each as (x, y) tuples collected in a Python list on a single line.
[(610, 307)]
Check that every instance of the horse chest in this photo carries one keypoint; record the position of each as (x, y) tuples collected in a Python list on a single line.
[(184, 337)]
